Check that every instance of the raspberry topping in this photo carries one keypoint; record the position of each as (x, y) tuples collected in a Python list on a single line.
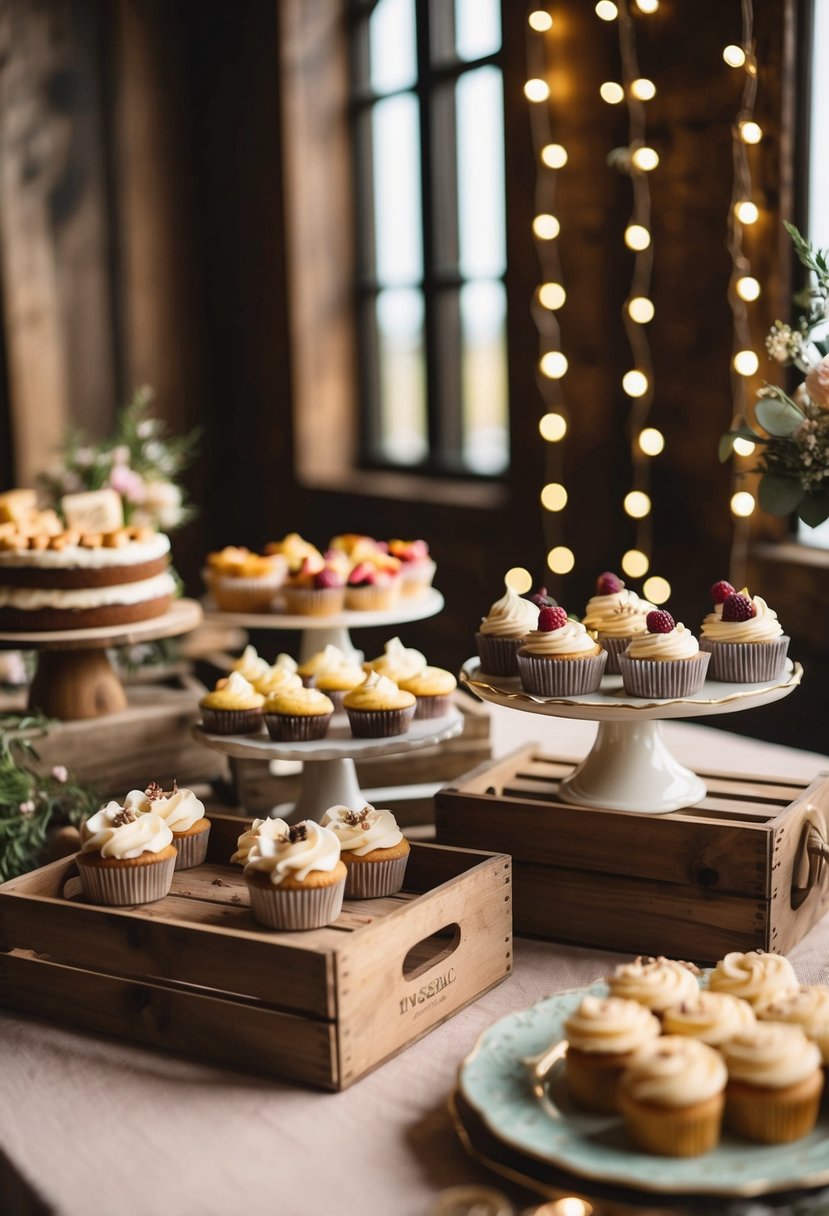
[(609, 584), (542, 599), (738, 607), (721, 591), (552, 618), (659, 621), (327, 578), (363, 575)]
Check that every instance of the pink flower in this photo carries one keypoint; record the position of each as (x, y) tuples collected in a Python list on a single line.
[(60, 773), (817, 382), (27, 807), (126, 482)]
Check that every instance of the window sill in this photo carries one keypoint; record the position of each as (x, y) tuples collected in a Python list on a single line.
[(409, 487), (793, 578), (790, 553)]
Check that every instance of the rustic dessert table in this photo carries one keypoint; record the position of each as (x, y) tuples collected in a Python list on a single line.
[(93, 1127)]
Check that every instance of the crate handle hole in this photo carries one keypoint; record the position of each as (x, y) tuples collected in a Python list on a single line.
[(431, 951)]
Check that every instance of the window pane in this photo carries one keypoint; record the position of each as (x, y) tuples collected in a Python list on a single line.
[(480, 141), (392, 46), (477, 28), (403, 434), (484, 376), (395, 129)]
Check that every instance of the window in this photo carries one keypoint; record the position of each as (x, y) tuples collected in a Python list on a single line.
[(426, 110)]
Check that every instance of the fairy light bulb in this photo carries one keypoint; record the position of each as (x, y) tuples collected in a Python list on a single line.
[(561, 560), (651, 441), (546, 227), (551, 295), (635, 563), (637, 504), (635, 383), (637, 237), (742, 504), (656, 589), (640, 310), (751, 132), (647, 6), (536, 90), (553, 364), (540, 21), (611, 92), (554, 497), (645, 159), (747, 212), (743, 447), (607, 10), (553, 427), (570, 1205), (643, 89), (518, 580), (554, 156), (747, 287), (745, 363), (734, 56)]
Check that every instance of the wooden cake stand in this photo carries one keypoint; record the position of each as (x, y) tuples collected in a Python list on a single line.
[(74, 677)]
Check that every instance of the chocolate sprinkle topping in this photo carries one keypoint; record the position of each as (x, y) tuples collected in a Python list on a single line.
[(125, 815), (358, 819), (298, 832), (154, 791)]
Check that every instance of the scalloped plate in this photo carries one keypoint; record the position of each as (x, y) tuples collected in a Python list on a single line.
[(496, 1082)]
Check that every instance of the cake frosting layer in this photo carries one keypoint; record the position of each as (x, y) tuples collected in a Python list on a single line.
[(762, 627), (134, 553), (675, 1071), (31, 599)]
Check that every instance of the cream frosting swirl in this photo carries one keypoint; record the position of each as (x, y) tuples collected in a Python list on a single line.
[(361, 832), (610, 1026), (755, 976), (680, 643), (430, 682), (571, 638), (397, 661), (510, 616), (300, 701), (180, 809), (260, 827), (675, 1071), (762, 627), (323, 660), (233, 693), (251, 665), (276, 679), (807, 1007), (378, 692), (618, 615), (115, 831), (772, 1055), (282, 857), (657, 983), (713, 1017)]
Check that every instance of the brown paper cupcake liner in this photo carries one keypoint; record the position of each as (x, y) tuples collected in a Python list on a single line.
[(663, 679), (371, 879), (372, 598), (190, 850), (297, 728), (232, 721), (672, 1132), (380, 723), (560, 677), (416, 579), (497, 654), (243, 594), (433, 707), (778, 1120), (746, 662), (292, 910), (310, 601), (130, 885), (614, 647)]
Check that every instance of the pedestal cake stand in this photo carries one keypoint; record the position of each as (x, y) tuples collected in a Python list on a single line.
[(629, 767)]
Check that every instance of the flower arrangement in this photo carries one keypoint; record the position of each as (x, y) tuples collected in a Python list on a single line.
[(141, 462), (793, 454), (33, 805)]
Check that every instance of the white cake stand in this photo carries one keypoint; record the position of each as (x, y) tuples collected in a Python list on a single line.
[(329, 777), (629, 767)]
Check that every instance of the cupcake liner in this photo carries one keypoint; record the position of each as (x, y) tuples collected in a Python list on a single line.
[(614, 647), (746, 662), (128, 885), (673, 1132), (773, 1118), (335, 696), (497, 654), (232, 721), (416, 578), (548, 677), (666, 678), (433, 707), (371, 879), (380, 723), (242, 594), (309, 909), (374, 598), (190, 850), (297, 728), (313, 601), (593, 1078)]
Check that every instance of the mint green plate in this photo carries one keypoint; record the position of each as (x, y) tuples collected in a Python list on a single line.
[(497, 1083)]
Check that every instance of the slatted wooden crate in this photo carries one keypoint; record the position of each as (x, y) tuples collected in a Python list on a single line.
[(743, 869), (193, 973)]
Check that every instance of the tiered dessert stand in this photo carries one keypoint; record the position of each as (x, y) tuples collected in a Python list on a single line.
[(629, 767)]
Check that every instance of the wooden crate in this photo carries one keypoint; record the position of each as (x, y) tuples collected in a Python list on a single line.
[(741, 870), (193, 973)]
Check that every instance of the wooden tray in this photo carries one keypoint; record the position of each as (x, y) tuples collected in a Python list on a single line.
[(194, 973)]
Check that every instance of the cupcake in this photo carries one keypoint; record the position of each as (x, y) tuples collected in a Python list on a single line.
[(433, 687), (276, 679), (272, 828), (233, 708), (603, 1035), (336, 681), (241, 581), (712, 1017), (559, 658), (378, 709), (298, 715), (184, 815), (296, 880), (656, 983), (373, 849), (373, 587), (330, 656), (806, 1007), (417, 568), (671, 1097), (397, 661), (775, 1081), (615, 615), (251, 665), (745, 639), (294, 549), (757, 977), (664, 662), (502, 631), (316, 589), (125, 857)]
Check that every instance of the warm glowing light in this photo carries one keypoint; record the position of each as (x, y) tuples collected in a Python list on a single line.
[(647, 6), (554, 156), (554, 497), (734, 56), (656, 589), (536, 89), (553, 364), (635, 383), (747, 287), (546, 227), (743, 447), (635, 563), (640, 309), (751, 132), (570, 1205), (611, 92), (637, 504), (561, 560), (651, 441), (637, 237), (518, 579), (742, 503), (747, 212), (552, 295), (607, 10), (645, 159), (540, 21), (553, 427), (745, 363), (643, 89)]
